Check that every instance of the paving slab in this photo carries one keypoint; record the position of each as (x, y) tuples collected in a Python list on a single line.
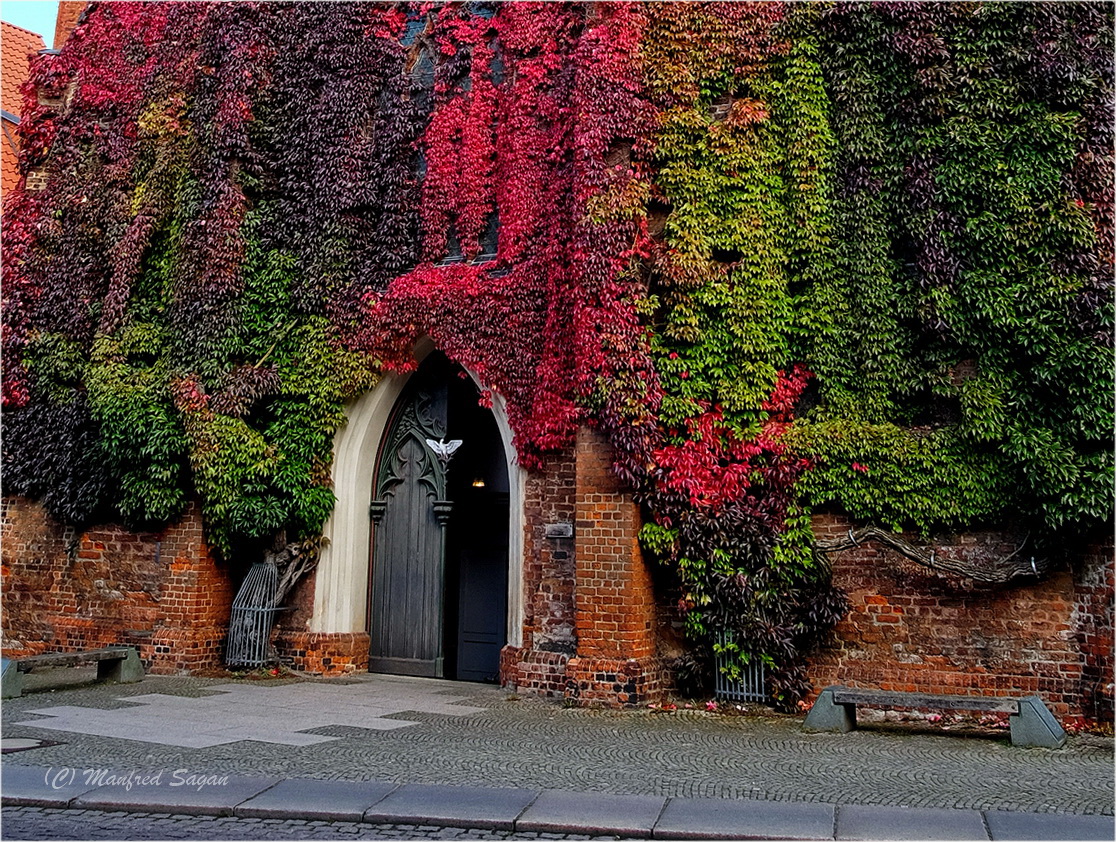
[(453, 806), (262, 714), (858, 821), (561, 811), (1027, 826), (306, 798), (41, 786), (711, 818), (219, 797)]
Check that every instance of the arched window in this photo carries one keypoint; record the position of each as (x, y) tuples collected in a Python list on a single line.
[(425, 65)]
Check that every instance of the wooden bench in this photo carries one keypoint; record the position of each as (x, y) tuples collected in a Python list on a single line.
[(115, 665), (1032, 724)]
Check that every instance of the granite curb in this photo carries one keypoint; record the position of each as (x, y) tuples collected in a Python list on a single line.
[(530, 810)]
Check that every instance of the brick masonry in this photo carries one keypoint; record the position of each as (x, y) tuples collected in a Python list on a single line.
[(617, 646), (549, 616), (163, 592), (534, 671), (549, 565), (915, 630), (590, 622), (593, 630), (69, 11), (325, 653)]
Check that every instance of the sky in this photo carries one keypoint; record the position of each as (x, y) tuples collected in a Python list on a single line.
[(36, 15)]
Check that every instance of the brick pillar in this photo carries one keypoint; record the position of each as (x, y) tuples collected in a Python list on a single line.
[(194, 601), (549, 639), (614, 602), (68, 13)]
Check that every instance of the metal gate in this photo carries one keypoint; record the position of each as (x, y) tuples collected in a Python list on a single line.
[(253, 613), (751, 686)]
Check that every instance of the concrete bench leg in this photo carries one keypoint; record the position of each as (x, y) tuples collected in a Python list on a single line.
[(1035, 725), (11, 683), (127, 670), (826, 715)]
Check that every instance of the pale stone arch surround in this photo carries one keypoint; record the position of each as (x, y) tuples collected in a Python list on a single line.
[(341, 584)]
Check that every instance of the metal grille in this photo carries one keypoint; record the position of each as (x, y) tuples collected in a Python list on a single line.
[(750, 687), (253, 613)]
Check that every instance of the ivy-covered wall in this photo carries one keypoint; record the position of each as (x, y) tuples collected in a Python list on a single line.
[(786, 256)]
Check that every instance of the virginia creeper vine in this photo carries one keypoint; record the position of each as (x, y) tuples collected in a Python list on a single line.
[(786, 256)]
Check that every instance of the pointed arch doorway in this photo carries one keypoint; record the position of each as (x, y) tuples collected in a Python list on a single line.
[(438, 580)]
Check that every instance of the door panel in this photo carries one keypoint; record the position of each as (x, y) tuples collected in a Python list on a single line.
[(477, 541), (408, 513), (482, 595)]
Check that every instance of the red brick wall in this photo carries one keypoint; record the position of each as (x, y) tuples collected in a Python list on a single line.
[(534, 671), (549, 634), (908, 629), (590, 613), (163, 592), (333, 653), (1094, 593), (325, 653), (615, 598), (616, 659), (913, 629)]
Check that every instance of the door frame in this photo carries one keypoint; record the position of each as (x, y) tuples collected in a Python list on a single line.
[(341, 587)]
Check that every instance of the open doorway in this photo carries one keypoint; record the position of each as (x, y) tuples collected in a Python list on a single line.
[(439, 570)]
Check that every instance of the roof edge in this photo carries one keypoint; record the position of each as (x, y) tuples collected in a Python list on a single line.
[(24, 29)]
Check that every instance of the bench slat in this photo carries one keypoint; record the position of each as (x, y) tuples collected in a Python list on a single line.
[(889, 698), (68, 659)]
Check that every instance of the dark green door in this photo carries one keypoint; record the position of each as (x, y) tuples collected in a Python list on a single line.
[(409, 509)]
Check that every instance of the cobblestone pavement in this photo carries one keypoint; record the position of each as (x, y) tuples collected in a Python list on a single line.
[(32, 823), (526, 742)]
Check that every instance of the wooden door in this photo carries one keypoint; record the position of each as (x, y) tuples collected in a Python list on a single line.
[(476, 541), (409, 513)]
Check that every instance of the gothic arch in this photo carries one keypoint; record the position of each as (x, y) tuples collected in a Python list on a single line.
[(341, 586)]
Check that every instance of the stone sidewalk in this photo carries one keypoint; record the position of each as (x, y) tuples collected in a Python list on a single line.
[(378, 751)]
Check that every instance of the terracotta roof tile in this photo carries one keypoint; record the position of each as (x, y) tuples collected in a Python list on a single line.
[(16, 44)]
